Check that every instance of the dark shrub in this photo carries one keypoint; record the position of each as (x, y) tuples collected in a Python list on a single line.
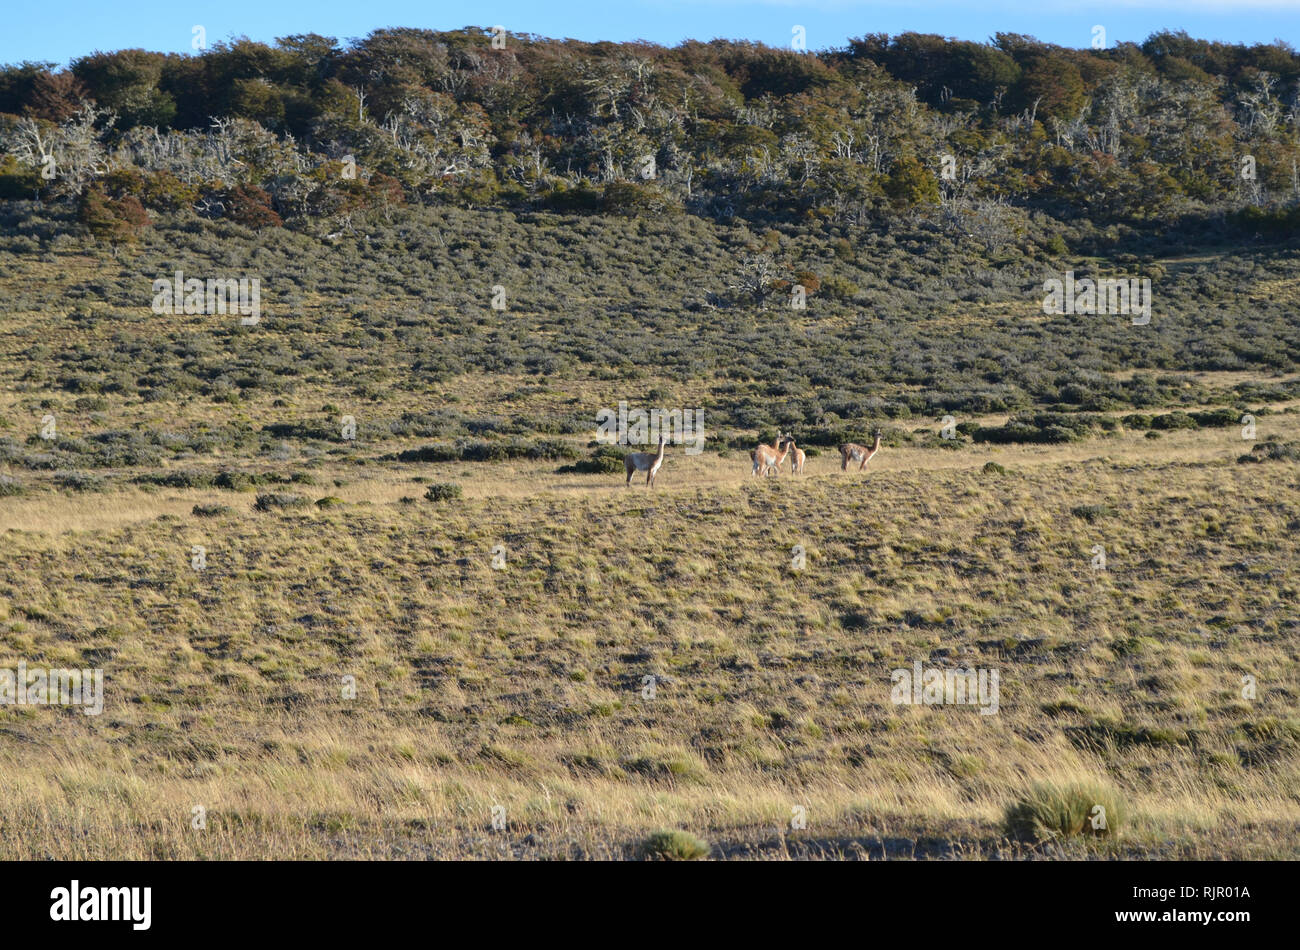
[(442, 491), (211, 511), (606, 460), (1173, 420), (78, 481), (1042, 428), (235, 481), (431, 453), (185, 478), (1217, 418), (274, 500), (1272, 451)]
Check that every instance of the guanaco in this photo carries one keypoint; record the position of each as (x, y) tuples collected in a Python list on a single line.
[(648, 462), (766, 458), (851, 451), (797, 458)]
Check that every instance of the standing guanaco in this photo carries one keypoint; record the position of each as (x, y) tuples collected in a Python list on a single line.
[(766, 458), (797, 458), (648, 462), (851, 451)]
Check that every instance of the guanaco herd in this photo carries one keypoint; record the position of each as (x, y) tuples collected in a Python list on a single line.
[(767, 459)]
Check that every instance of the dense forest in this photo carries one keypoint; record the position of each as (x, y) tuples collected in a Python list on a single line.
[(986, 141)]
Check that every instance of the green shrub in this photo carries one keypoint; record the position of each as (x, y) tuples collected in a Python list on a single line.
[(1217, 418), (211, 511), (442, 491), (911, 183), (274, 500), (1272, 451), (547, 450), (838, 288), (235, 481), (1173, 420), (993, 468), (18, 180), (431, 453), (1137, 420), (1275, 221), (484, 452), (580, 198), (1041, 428), (494, 451), (185, 478), (606, 460), (634, 200), (78, 481), (163, 191)]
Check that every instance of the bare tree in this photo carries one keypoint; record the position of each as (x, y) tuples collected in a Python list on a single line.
[(754, 277), (73, 150)]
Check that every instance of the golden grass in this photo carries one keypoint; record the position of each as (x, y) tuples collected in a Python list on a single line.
[(522, 688)]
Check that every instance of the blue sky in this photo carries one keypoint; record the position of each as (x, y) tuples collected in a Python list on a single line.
[(62, 31)]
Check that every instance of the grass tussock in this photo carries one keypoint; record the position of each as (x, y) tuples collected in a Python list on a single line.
[(1051, 810), (674, 846)]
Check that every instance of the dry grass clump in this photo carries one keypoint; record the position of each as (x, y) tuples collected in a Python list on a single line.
[(674, 846), (1052, 810)]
